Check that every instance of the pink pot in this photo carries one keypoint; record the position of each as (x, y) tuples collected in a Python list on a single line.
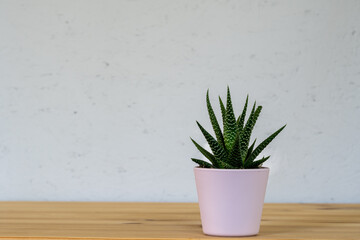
[(231, 200)]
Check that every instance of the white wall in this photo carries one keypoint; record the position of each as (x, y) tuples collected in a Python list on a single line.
[(98, 98)]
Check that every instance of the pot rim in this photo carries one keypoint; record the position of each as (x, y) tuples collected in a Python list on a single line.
[(262, 169)]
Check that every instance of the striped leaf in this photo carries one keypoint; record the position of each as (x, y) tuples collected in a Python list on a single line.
[(230, 128), (223, 111), (234, 155), (246, 133), (202, 163), (218, 151), (257, 163), (214, 122), (249, 152), (241, 118), (225, 165), (264, 143), (243, 148), (205, 153)]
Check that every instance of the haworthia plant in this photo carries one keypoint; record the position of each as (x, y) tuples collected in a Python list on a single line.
[(230, 147)]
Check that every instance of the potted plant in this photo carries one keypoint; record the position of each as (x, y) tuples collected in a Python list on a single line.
[(231, 186)]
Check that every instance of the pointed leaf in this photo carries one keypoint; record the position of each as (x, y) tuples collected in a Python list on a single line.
[(250, 150), (223, 111), (241, 118), (218, 151), (214, 122), (202, 163), (234, 155), (243, 147), (257, 163), (264, 143), (205, 153), (230, 127), (253, 109), (246, 133)]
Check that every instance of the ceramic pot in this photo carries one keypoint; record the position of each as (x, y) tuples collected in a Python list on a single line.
[(231, 200)]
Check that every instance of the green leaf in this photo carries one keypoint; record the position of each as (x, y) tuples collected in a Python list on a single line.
[(246, 133), (234, 155), (202, 163), (264, 143), (223, 111), (249, 151), (224, 165), (218, 151), (253, 109), (230, 127), (241, 118), (257, 163), (214, 122), (205, 153)]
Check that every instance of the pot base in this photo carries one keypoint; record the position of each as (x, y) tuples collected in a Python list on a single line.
[(230, 235)]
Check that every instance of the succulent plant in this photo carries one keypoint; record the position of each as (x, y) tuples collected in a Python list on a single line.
[(230, 149)]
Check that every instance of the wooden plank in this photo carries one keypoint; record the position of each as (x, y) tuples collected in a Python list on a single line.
[(125, 220)]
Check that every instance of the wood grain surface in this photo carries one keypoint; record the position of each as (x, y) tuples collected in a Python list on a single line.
[(95, 220)]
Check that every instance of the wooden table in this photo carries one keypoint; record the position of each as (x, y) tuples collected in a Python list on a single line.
[(89, 220)]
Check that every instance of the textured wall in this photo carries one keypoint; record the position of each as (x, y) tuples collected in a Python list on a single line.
[(98, 98)]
